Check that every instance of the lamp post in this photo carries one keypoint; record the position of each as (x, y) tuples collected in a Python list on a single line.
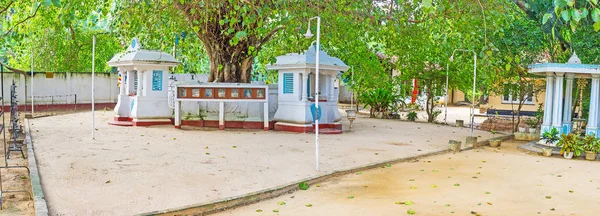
[(310, 35), (474, 82)]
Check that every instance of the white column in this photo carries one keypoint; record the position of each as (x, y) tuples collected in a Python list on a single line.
[(266, 113), (304, 86), (567, 107), (122, 87), (593, 112), (222, 115), (177, 114), (547, 122), (140, 79), (558, 102)]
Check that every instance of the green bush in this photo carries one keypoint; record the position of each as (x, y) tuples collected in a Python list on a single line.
[(412, 116)]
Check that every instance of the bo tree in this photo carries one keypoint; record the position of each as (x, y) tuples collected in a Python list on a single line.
[(233, 32)]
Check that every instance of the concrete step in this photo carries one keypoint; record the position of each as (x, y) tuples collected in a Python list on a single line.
[(329, 131), (121, 123)]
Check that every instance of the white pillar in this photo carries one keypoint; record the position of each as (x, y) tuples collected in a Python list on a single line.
[(304, 86), (221, 115), (567, 125), (140, 79), (177, 114), (266, 113), (547, 121), (122, 87), (592, 126), (558, 102)]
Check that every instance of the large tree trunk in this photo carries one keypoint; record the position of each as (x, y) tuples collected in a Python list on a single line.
[(230, 54)]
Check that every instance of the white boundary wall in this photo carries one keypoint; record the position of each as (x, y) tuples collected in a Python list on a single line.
[(63, 83)]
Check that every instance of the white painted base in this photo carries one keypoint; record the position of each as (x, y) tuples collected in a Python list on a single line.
[(122, 109)]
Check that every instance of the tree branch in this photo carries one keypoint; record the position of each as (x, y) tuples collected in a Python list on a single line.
[(6, 8), (22, 21), (13, 69)]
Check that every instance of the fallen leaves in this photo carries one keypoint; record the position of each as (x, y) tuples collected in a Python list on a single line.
[(281, 203), (107, 182), (308, 205), (433, 186), (410, 212), (275, 210), (413, 187), (548, 197), (350, 197), (487, 192), (258, 210), (233, 146), (456, 184)]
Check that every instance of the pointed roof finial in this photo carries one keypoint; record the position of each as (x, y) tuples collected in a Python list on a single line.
[(574, 59), (135, 45)]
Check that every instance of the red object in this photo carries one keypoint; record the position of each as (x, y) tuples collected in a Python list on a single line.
[(415, 91)]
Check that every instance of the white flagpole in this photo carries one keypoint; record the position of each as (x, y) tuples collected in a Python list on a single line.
[(93, 74)]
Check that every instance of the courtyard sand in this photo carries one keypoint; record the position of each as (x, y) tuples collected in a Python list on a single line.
[(489, 181), (129, 170)]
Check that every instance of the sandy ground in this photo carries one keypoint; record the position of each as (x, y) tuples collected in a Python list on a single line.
[(128, 170), (15, 179), (489, 181)]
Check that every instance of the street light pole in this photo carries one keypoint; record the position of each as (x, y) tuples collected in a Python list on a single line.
[(474, 84), (309, 35), (446, 98)]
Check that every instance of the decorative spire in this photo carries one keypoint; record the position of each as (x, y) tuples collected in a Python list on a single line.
[(135, 45), (574, 59)]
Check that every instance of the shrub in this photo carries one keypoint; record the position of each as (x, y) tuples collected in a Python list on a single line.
[(412, 116)]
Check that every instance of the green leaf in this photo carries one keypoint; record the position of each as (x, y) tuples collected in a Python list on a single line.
[(46, 3), (507, 67), (281, 203), (56, 3), (596, 15), (570, 3), (547, 16), (584, 13), (241, 34), (595, 1), (576, 15), (350, 197), (597, 26), (410, 212), (258, 210), (308, 205), (560, 3), (303, 186), (565, 15), (275, 210)]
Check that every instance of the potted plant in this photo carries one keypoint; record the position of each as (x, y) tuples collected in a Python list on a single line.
[(550, 137), (532, 124), (591, 145), (495, 142), (569, 145)]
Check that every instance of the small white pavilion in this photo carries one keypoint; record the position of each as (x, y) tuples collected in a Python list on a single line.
[(143, 94), (297, 94), (559, 100)]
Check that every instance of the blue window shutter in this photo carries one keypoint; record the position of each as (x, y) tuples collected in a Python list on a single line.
[(288, 83), (308, 85)]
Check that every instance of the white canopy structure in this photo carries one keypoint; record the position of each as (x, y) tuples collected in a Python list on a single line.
[(557, 111)]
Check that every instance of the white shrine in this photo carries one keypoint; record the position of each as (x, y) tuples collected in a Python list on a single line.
[(143, 93), (558, 111), (296, 92)]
